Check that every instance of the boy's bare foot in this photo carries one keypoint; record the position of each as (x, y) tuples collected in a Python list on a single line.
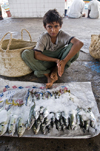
[(53, 74), (51, 79)]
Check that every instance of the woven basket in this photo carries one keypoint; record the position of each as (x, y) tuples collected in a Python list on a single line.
[(11, 63), (94, 48)]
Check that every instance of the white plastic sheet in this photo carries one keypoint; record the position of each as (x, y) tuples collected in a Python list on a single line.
[(81, 96)]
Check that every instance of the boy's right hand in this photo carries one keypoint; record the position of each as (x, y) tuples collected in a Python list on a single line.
[(61, 66)]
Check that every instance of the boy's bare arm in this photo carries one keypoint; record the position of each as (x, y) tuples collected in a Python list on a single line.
[(77, 44), (39, 56), (75, 48)]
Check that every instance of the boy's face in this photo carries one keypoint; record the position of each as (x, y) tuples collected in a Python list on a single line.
[(53, 29)]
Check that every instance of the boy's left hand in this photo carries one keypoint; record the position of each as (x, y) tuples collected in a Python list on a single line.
[(61, 67)]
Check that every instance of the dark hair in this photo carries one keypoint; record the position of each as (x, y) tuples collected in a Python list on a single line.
[(52, 16)]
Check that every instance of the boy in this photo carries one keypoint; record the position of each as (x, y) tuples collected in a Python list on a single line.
[(51, 55)]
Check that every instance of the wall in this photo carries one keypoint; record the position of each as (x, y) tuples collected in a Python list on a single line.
[(34, 8)]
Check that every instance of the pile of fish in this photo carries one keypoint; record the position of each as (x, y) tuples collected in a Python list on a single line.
[(37, 95), (18, 119), (44, 121)]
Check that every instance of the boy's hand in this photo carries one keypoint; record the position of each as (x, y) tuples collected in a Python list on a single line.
[(61, 67), (57, 61)]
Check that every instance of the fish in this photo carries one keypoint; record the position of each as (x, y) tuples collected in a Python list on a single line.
[(37, 95), (65, 118), (72, 120), (43, 128), (78, 119), (43, 95), (57, 115), (3, 127), (41, 118), (4, 121), (12, 125), (63, 127), (87, 125), (52, 119), (81, 121), (92, 120), (30, 99), (48, 127), (45, 113), (47, 120), (57, 121), (36, 114), (47, 94), (21, 127), (41, 109), (36, 126), (31, 118)]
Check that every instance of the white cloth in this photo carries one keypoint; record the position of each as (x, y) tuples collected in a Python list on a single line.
[(94, 9), (76, 9)]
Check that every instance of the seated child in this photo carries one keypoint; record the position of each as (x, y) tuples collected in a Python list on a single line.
[(54, 51)]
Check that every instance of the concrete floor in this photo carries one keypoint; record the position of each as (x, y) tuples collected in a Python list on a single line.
[(83, 70)]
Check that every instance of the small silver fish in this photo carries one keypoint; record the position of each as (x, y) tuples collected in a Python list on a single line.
[(41, 118), (72, 121), (63, 127), (31, 118), (36, 126), (92, 120), (52, 119), (43, 128), (87, 125), (57, 115), (65, 118), (45, 113), (78, 119), (48, 127), (57, 123), (41, 109), (21, 127), (81, 121), (3, 127), (4, 124), (12, 125)]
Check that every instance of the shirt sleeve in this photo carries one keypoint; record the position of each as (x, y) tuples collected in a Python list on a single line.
[(65, 38), (41, 43)]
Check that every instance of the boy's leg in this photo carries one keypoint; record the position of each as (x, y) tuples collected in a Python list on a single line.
[(36, 65), (40, 68)]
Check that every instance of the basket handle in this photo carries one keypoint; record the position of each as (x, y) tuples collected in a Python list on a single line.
[(8, 43), (28, 34)]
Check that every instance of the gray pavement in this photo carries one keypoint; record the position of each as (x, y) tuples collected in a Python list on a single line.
[(84, 69)]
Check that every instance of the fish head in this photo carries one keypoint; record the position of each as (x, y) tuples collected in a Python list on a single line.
[(2, 125), (11, 128)]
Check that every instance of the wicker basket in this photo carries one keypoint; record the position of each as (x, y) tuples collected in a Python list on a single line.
[(11, 63), (94, 48)]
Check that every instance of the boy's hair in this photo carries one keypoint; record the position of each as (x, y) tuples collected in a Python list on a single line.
[(52, 16)]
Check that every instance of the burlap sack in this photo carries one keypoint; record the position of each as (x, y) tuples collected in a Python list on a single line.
[(11, 63), (94, 48)]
